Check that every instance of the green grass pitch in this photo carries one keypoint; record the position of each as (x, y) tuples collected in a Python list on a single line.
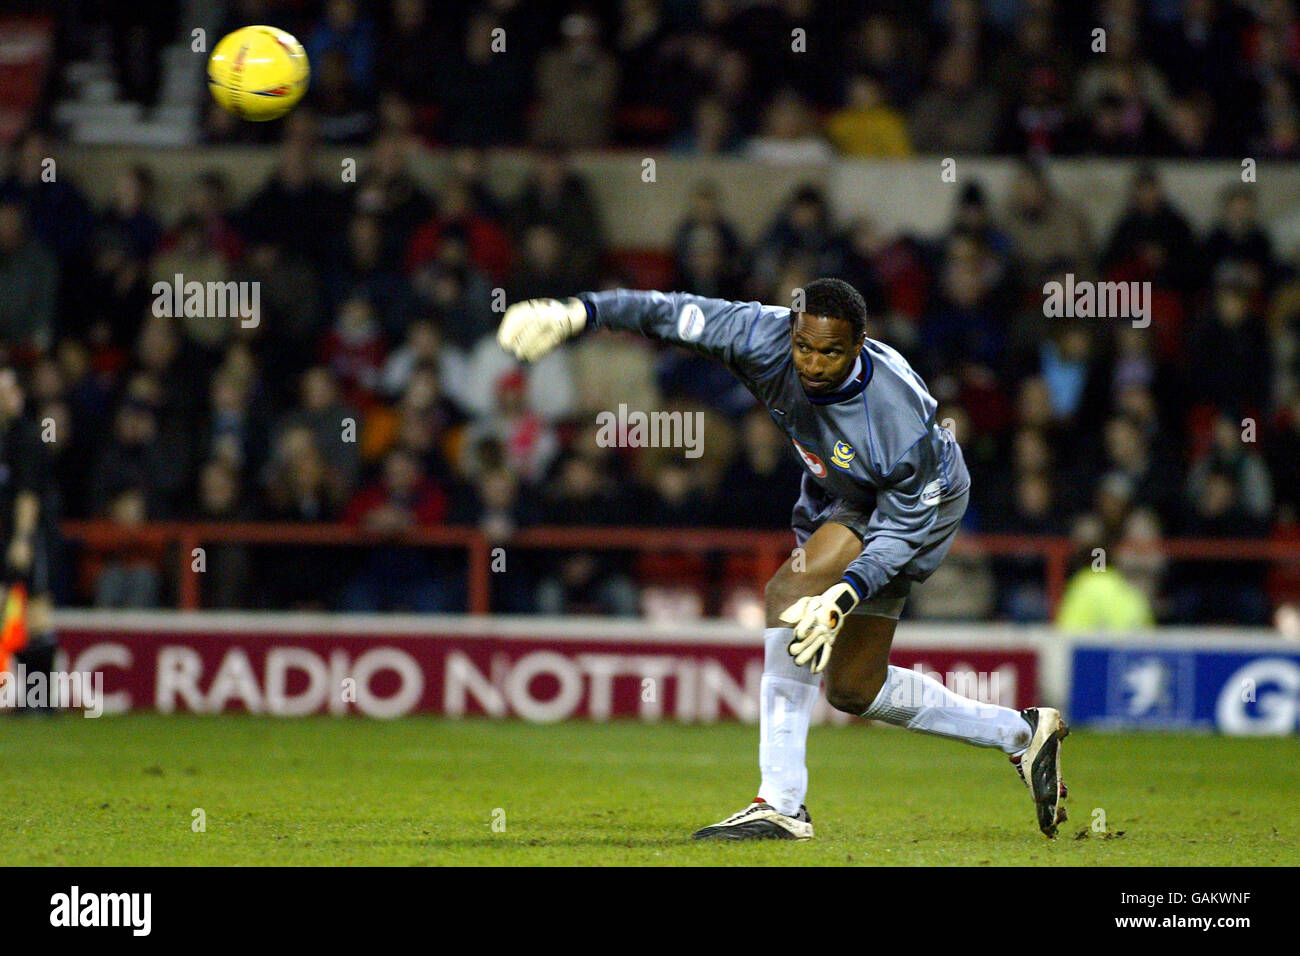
[(322, 791)]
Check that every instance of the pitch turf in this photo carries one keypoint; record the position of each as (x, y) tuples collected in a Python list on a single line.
[(322, 791)]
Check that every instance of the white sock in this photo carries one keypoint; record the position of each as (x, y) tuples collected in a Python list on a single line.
[(913, 700), (787, 698)]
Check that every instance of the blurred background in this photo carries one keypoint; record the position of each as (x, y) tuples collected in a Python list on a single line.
[(482, 176)]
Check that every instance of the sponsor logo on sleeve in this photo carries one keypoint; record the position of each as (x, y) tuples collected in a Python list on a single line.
[(690, 323), (931, 494)]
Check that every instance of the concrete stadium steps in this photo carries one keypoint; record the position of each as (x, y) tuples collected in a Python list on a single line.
[(95, 115)]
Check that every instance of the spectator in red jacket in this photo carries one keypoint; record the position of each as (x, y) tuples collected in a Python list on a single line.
[(487, 242), (355, 350), (399, 578), (401, 500)]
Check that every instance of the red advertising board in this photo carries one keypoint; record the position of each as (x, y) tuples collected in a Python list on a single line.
[(547, 672)]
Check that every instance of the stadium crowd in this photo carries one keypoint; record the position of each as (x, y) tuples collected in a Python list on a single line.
[(377, 309), (780, 80)]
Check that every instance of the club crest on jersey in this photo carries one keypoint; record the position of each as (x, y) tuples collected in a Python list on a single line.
[(815, 464), (842, 455)]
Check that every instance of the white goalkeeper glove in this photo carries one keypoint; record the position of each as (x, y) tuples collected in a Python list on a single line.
[(816, 620), (531, 329)]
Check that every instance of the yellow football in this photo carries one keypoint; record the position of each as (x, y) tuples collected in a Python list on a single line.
[(258, 73)]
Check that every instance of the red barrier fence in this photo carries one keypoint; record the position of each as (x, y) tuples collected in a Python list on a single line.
[(768, 549)]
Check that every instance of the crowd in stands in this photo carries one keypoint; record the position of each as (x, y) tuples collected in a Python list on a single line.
[(371, 390), (800, 80), (780, 80), (377, 315)]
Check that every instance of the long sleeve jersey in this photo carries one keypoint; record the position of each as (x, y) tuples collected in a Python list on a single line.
[(873, 442)]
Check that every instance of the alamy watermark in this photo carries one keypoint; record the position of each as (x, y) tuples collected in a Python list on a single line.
[(72, 690), (1084, 299), (638, 429), (212, 300), (133, 911), (984, 688)]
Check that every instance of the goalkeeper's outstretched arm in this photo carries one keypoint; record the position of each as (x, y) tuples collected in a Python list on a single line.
[(750, 338)]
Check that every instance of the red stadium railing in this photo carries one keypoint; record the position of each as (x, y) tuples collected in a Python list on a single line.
[(768, 549)]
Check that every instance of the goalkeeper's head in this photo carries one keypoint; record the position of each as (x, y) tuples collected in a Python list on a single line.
[(826, 336)]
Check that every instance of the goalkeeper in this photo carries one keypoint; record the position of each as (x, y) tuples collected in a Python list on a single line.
[(884, 490)]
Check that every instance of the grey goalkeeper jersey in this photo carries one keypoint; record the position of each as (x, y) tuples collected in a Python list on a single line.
[(873, 442)]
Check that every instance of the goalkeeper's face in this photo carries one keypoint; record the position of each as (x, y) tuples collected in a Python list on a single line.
[(823, 350)]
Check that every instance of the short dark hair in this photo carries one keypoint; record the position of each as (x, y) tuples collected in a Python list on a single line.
[(835, 299)]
